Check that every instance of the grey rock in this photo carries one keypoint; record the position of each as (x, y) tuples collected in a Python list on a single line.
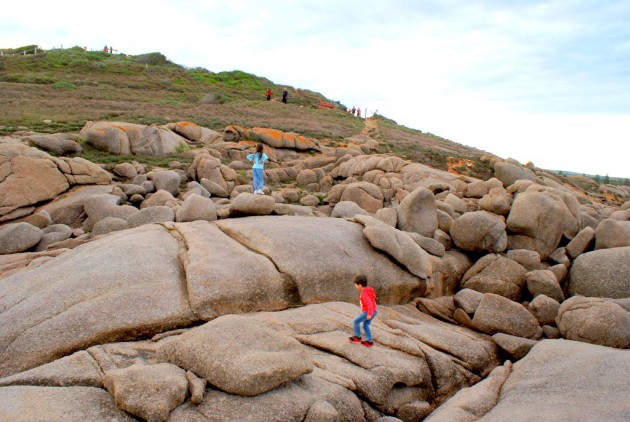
[(347, 209), (418, 213), (581, 242), (250, 204), (509, 173), (196, 207), (19, 237), (150, 215), (612, 234), (497, 314), (108, 225), (167, 180)]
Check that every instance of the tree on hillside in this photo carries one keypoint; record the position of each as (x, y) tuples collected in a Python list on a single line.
[(607, 179), (597, 178)]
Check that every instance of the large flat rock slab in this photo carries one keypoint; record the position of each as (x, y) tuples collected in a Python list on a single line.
[(323, 257)]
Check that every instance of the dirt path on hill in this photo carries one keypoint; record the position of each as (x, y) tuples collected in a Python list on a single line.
[(371, 129)]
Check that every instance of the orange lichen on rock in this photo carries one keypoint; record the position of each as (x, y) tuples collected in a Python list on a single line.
[(454, 163)]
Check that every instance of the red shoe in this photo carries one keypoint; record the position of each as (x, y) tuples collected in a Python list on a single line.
[(355, 339), (367, 343)]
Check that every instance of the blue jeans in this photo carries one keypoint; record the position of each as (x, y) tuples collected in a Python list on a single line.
[(366, 325), (259, 178)]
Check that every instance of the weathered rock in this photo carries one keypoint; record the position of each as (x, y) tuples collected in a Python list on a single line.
[(108, 225), (388, 216), (468, 300), (418, 213), (306, 177), (214, 188), (310, 201), (539, 220), (612, 233), (28, 403), (479, 231), (148, 391), (398, 245), (496, 274), (551, 332), (559, 256), (530, 260), (250, 204), (469, 404), (551, 383), (126, 170), (127, 138), (39, 219), (497, 201), (167, 180), (497, 314), (509, 173), (68, 208), (342, 250), (515, 347), (53, 298), (347, 209), (19, 237), (159, 198), (27, 176), (594, 320), (544, 282), (240, 356), (581, 242), (602, 273), (78, 369), (53, 236), (432, 246), (56, 143), (159, 214), (196, 386), (545, 309), (366, 195), (196, 207)]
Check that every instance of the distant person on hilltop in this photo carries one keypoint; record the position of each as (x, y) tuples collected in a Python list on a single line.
[(285, 94), (354, 110), (358, 112), (268, 94), (111, 49), (105, 49), (259, 158)]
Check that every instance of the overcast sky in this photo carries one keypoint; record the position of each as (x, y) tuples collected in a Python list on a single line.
[(541, 81)]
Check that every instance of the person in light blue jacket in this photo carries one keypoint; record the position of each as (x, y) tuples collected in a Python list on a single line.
[(258, 158)]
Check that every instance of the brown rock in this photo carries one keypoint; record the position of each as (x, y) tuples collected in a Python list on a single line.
[(594, 320), (239, 356), (148, 391), (418, 213)]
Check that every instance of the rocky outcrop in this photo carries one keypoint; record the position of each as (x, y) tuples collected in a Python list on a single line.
[(245, 254), (29, 176), (272, 137), (120, 138), (550, 383)]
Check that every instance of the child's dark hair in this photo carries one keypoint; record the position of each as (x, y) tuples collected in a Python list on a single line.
[(361, 279), (259, 148)]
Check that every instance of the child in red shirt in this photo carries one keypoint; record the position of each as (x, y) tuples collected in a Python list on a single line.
[(367, 300)]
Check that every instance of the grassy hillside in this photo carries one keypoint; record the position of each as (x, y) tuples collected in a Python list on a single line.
[(59, 90)]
